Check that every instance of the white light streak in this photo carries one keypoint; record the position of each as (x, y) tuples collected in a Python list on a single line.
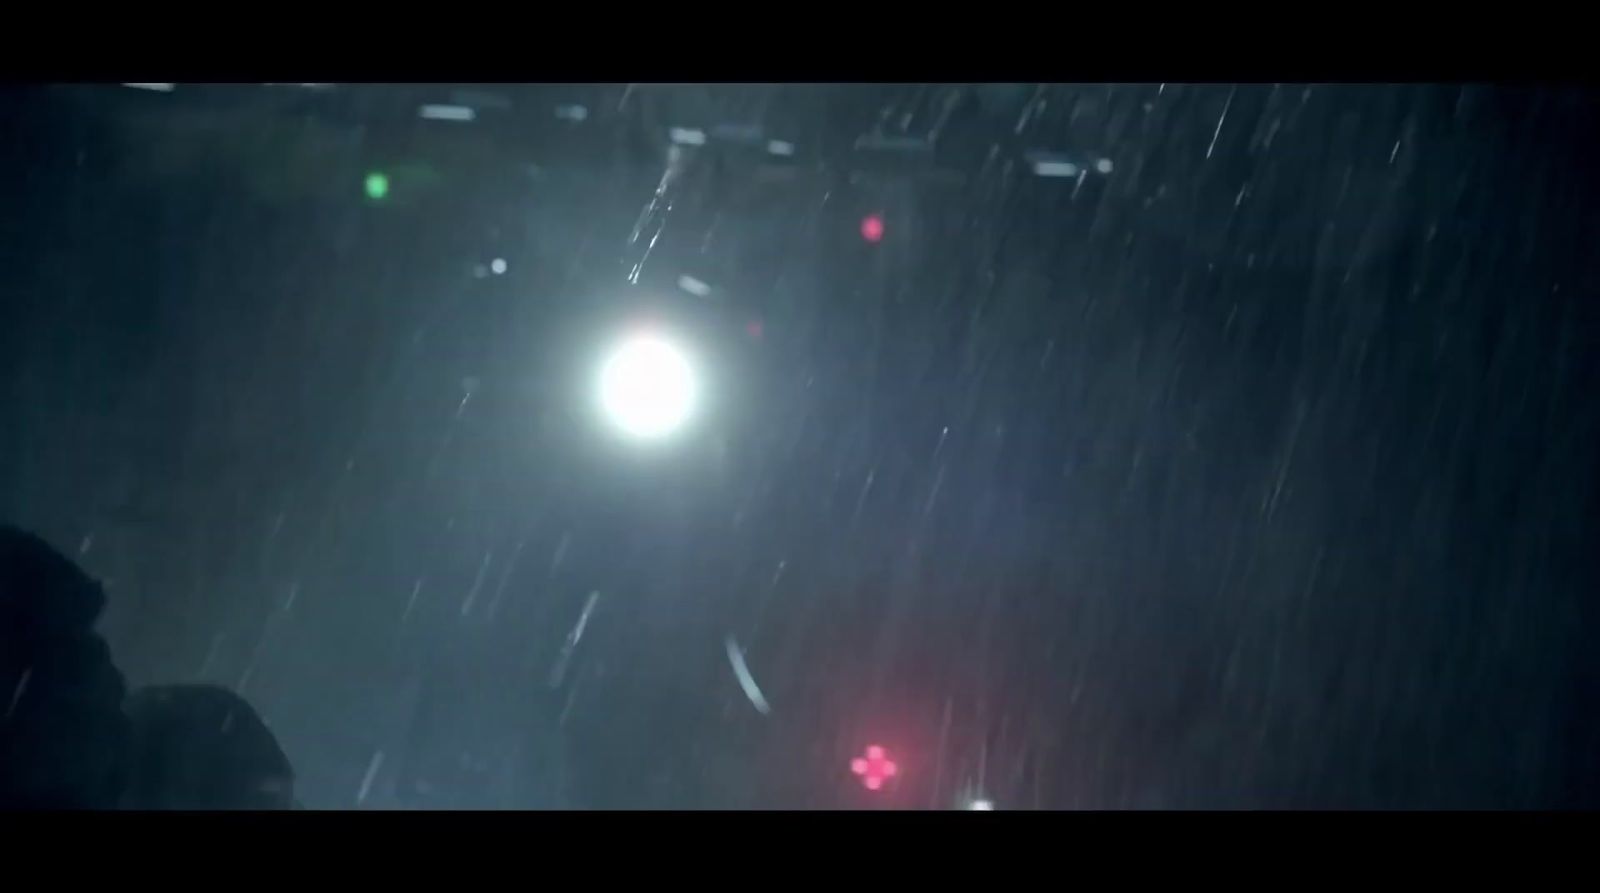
[(746, 681)]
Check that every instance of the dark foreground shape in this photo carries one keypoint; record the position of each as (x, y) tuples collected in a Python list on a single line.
[(62, 730), (70, 738), (203, 747)]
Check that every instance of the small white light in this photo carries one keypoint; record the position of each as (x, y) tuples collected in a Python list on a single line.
[(981, 805), (647, 388), (687, 136), (780, 147), (1103, 165), (498, 266), (575, 113), (447, 113), (159, 88)]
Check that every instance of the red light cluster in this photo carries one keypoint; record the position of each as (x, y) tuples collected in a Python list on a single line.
[(875, 768)]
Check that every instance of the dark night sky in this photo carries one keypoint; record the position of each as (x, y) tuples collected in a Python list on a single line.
[(1250, 468)]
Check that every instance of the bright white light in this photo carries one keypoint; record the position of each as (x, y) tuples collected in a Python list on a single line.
[(498, 266), (647, 387), (1104, 165), (981, 805)]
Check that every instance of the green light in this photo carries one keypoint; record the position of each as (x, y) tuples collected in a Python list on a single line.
[(377, 185)]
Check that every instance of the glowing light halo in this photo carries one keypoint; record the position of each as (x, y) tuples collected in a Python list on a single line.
[(648, 387)]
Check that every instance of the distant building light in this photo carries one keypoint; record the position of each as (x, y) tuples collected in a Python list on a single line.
[(498, 266), (1046, 163), (447, 113), (573, 112), (1055, 168), (780, 147), (981, 805), (159, 88), (694, 286), (687, 136)]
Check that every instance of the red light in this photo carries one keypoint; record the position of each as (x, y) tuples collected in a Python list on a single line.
[(875, 768), (872, 228)]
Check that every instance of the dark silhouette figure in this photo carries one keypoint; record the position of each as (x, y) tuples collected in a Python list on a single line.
[(62, 730), (70, 738)]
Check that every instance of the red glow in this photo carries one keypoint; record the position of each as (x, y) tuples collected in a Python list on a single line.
[(872, 228), (875, 768)]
